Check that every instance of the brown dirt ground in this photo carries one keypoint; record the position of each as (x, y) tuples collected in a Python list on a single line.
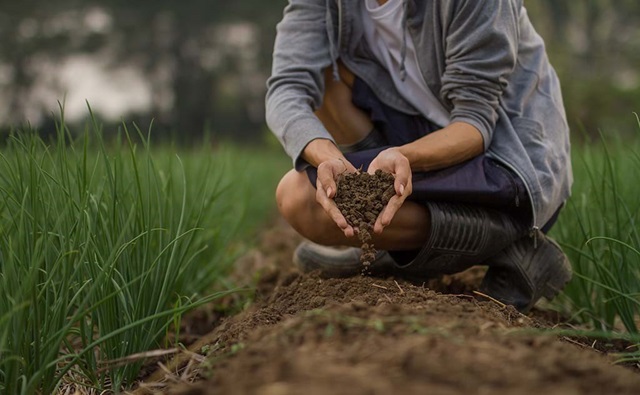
[(308, 335)]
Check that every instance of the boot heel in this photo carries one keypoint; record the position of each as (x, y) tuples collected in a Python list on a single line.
[(535, 266), (560, 277)]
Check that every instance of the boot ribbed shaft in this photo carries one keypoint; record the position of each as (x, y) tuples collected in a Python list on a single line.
[(459, 230), (462, 236)]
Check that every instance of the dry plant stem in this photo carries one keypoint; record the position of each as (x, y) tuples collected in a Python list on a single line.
[(400, 288), (502, 305), (361, 197)]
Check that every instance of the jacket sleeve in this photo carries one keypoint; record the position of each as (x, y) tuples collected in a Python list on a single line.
[(296, 86), (481, 47)]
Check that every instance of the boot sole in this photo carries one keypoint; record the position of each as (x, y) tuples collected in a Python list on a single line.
[(338, 263)]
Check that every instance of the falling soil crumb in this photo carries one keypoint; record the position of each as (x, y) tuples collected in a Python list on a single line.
[(361, 197), (363, 335)]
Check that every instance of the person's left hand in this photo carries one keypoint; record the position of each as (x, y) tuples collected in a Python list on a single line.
[(392, 161)]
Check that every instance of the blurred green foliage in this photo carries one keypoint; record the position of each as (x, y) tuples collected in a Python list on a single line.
[(206, 61)]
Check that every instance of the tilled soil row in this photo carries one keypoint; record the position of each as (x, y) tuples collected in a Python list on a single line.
[(363, 335)]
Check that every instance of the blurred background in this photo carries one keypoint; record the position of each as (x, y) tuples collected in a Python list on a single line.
[(196, 66)]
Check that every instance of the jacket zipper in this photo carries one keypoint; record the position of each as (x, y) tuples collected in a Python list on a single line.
[(339, 25)]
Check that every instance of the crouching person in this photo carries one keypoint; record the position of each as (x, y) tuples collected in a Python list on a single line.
[(458, 101)]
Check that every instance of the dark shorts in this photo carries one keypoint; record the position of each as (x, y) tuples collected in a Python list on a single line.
[(479, 181)]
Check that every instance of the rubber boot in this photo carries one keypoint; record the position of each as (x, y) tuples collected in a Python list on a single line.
[(462, 236), (533, 267)]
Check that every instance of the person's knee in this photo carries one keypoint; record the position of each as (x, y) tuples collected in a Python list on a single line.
[(295, 199), (296, 203), (286, 195)]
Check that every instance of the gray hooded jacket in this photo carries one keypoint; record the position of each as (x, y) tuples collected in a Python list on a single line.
[(482, 59)]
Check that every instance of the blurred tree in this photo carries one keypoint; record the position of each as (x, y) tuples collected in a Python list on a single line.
[(188, 50), (28, 34), (595, 46), (182, 38)]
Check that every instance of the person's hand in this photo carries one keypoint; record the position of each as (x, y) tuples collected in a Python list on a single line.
[(326, 188), (392, 161)]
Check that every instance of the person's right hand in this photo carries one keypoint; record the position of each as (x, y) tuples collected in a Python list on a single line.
[(326, 188)]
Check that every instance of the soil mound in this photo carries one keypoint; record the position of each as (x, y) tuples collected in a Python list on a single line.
[(363, 335)]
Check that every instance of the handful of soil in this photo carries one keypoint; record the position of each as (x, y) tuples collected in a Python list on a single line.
[(361, 197)]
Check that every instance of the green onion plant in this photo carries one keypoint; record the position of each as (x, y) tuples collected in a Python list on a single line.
[(600, 231), (103, 248)]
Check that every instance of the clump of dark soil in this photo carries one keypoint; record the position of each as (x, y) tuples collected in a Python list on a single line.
[(361, 197)]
